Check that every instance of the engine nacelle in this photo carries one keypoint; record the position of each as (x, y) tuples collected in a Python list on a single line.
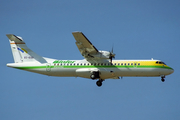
[(103, 55)]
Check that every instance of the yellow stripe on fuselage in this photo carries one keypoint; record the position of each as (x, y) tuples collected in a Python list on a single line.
[(140, 62)]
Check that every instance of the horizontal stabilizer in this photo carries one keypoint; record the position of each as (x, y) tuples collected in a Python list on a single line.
[(16, 39)]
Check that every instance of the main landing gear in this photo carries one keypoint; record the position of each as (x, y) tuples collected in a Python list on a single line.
[(99, 82), (162, 78), (95, 75)]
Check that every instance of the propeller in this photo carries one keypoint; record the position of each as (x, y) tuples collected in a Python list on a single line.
[(111, 55)]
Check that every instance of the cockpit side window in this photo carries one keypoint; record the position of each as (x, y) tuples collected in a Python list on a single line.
[(160, 62)]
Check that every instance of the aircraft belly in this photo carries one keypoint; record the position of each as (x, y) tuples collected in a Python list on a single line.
[(104, 73), (63, 72), (39, 71), (140, 71)]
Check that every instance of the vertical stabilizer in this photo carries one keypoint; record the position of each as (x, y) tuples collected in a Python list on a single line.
[(21, 52)]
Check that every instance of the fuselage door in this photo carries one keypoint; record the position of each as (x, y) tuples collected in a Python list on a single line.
[(48, 67)]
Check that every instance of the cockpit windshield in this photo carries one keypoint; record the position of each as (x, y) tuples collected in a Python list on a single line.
[(160, 62)]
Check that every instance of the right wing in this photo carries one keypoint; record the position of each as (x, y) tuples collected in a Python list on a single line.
[(84, 45)]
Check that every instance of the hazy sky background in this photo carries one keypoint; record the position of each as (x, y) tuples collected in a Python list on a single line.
[(138, 29)]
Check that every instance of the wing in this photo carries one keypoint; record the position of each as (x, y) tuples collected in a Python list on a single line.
[(84, 45)]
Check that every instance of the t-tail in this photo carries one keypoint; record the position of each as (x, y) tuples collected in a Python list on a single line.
[(21, 52)]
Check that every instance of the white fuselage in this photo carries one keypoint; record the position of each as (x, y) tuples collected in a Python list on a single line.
[(83, 68)]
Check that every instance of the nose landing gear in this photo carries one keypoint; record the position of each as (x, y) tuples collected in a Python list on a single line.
[(162, 78)]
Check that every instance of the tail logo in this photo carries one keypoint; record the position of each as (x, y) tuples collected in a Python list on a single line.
[(22, 50)]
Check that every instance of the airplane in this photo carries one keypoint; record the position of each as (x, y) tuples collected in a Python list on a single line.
[(97, 65)]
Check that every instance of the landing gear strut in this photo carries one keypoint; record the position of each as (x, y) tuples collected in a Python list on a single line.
[(99, 82), (162, 78)]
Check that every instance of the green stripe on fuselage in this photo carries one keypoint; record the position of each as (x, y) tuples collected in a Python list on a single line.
[(91, 66)]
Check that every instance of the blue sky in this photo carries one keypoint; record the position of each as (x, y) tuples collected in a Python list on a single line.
[(141, 29)]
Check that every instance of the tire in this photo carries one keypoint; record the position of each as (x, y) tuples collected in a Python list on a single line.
[(93, 76), (99, 83)]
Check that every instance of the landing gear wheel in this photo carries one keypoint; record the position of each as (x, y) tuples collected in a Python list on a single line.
[(93, 76), (162, 79), (99, 83)]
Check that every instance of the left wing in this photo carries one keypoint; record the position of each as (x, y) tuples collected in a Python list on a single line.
[(88, 51), (86, 48)]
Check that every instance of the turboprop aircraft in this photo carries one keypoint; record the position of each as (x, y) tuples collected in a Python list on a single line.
[(97, 65)]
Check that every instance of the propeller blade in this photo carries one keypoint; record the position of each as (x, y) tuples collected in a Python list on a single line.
[(111, 54), (110, 59), (112, 48)]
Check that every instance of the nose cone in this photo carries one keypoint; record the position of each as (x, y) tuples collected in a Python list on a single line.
[(171, 70)]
